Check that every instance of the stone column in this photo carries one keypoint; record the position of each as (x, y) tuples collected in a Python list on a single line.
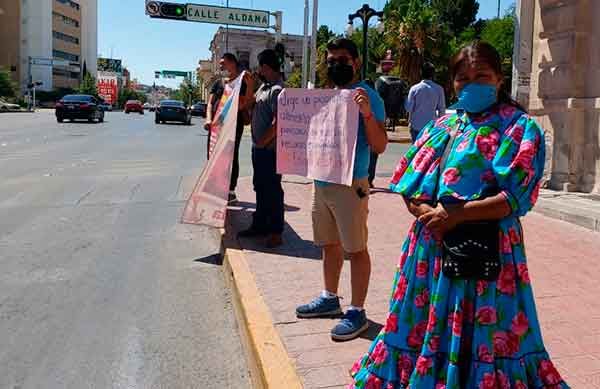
[(565, 90)]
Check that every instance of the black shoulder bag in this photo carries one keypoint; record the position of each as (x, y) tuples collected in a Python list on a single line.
[(471, 250)]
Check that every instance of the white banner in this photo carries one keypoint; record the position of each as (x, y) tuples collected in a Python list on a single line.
[(207, 204)]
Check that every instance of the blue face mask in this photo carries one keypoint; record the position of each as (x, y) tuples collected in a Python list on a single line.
[(475, 98)]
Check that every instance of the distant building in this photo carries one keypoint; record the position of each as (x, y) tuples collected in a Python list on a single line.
[(246, 44), (60, 29)]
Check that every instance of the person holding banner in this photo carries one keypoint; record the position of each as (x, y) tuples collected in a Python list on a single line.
[(269, 215), (231, 69), (340, 212)]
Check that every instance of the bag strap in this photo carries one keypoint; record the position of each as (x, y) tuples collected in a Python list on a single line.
[(447, 150)]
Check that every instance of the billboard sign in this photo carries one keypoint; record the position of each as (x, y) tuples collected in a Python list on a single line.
[(110, 65), (107, 86)]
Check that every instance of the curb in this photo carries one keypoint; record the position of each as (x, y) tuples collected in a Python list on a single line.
[(268, 361)]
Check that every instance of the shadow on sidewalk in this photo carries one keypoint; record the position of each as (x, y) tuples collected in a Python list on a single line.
[(239, 217)]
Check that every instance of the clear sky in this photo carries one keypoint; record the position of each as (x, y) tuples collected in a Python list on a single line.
[(146, 45)]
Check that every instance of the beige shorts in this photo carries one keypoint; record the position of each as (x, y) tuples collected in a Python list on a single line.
[(339, 215)]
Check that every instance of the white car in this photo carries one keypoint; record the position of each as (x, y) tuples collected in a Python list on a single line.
[(146, 106), (4, 106)]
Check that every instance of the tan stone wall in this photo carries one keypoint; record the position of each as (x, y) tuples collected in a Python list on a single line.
[(10, 36), (565, 90)]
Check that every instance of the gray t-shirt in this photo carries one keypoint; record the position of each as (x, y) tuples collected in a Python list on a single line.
[(265, 110)]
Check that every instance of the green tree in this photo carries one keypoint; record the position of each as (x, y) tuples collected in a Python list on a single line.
[(456, 15), (129, 94), (7, 86), (88, 85), (295, 79), (376, 47)]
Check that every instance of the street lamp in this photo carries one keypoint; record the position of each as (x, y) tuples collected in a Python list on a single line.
[(365, 14)]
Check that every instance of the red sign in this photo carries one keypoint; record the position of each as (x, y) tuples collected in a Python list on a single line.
[(108, 89)]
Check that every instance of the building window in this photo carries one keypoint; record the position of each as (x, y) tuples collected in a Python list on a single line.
[(244, 59), (66, 20), (65, 37), (70, 3), (63, 55), (65, 73)]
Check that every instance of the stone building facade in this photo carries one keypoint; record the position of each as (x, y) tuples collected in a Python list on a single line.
[(557, 75), (246, 44)]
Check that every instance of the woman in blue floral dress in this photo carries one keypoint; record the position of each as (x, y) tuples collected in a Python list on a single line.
[(444, 333)]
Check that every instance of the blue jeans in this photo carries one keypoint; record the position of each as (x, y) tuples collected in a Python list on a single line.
[(268, 217)]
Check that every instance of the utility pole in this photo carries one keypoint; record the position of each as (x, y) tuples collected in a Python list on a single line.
[(313, 43), (305, 47), (227, 32), (498, 9)]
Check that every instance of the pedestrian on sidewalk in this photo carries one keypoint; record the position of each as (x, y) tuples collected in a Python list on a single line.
[(231, 69), (426, 101), (339, 212), (483, 164), (268, 218)]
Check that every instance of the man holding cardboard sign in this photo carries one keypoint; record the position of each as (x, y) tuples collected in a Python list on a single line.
[(340, 211)]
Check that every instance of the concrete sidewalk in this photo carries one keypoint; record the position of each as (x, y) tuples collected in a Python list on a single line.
[(564, 266)]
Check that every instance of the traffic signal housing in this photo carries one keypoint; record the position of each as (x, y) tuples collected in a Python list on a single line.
[(166, 10)]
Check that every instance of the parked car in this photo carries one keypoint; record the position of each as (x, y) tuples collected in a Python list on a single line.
[(199, 109), (173, 111), (134, 106), (105, 106), (79, 107), (146, 106), (4, 106)]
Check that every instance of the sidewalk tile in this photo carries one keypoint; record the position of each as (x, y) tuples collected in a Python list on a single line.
[(563, 262)]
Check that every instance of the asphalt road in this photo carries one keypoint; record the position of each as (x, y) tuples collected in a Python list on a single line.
[(100, 286)]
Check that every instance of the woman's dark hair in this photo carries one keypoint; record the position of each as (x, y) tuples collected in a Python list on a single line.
[(231, 57), (487, 53), (343, 44)]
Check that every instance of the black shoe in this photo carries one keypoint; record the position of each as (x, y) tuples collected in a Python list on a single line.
[(251, 233)]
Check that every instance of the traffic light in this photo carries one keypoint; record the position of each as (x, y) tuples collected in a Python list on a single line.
[(164, 10)]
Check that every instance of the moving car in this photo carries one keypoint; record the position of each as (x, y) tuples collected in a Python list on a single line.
[(134, 106), (79, 107), (4, 106), (173, 111), (199, 109), (105, 106)]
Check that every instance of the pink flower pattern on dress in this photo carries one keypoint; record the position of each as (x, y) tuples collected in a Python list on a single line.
[(433, 320)]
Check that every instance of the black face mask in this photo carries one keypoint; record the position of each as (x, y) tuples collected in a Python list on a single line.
[(340, 74)]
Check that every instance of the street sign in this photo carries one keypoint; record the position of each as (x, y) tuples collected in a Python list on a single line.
[(223, 15), (49, 62), (208, 14), (175, 73)]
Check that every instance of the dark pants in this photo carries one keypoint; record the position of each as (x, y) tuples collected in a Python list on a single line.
[(235, 168), (268, 217), (414, 133), (373, 166)]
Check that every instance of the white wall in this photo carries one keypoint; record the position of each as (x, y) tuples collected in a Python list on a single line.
[(36, 23), (89, 35)]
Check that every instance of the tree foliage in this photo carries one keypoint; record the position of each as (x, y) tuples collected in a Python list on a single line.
[(187, 92), (129, 94), (88, 85), (7, 86), (295, 79)]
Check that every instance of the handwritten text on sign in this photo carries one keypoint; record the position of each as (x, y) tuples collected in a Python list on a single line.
[(316, 134)]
